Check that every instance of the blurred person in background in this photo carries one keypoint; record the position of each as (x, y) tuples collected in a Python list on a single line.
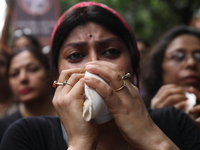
[(30, 81), (23, 38), (173, 70)]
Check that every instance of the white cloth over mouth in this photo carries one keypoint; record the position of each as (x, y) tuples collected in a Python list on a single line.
[(94, 106)]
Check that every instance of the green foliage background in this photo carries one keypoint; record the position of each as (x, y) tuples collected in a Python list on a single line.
[(148, 18)]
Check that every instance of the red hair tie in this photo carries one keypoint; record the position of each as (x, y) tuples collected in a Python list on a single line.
[(83, 4)]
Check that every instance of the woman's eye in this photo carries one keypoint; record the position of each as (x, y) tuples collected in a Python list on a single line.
[(197, 56), (13, 74), (111, 52), (75, 56), (33, 69), (178, 57)]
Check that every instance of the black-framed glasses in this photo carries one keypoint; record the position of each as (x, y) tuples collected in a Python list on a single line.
[(182, 56)]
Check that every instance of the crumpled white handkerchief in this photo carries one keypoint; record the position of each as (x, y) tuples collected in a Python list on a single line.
[(191, 101), (94, 106)]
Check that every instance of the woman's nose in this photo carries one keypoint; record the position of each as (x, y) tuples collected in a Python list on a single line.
[(93, 56), (191, 62), (23, 76)]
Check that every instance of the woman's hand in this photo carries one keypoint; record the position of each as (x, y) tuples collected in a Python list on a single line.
[(68, 102), (170, 95), (127, 107), (174, 95)]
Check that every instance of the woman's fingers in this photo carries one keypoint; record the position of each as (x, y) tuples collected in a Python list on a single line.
[(69, 78), (66, 74), (69, 107), (63, 100), (110, 73), (168, 95), (194, 113), (181, 105), (62, 95), (120, 102)]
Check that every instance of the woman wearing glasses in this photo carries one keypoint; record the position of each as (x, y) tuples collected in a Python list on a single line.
[(175, 70)]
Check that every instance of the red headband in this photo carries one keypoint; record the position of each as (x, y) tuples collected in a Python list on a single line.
[(83, 4)]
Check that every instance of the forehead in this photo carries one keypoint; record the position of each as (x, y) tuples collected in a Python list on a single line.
[(184, 42), (22, 58), (88, 32)]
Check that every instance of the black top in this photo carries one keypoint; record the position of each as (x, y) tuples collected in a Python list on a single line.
[(44, 133), (6, 121)]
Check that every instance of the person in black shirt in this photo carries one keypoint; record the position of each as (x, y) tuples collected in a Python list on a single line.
[(31, 84), (173, 72)]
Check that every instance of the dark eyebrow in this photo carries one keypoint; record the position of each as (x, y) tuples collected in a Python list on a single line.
[(108, 40), (77, 44), (179, 50), (27, 65), (105, 41), (183, 50)]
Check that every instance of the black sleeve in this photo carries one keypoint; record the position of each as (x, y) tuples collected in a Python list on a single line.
[(34, 133), (178, 126), (6, 121)]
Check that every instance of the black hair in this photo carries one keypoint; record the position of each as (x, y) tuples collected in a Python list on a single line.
[(83, 15), (37, 53), (5, 52), (24, 33)]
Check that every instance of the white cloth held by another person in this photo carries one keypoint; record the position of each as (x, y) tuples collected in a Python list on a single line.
[(191, 101)]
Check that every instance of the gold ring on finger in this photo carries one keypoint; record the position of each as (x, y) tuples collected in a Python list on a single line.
[(119, 89), (56, 84)]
